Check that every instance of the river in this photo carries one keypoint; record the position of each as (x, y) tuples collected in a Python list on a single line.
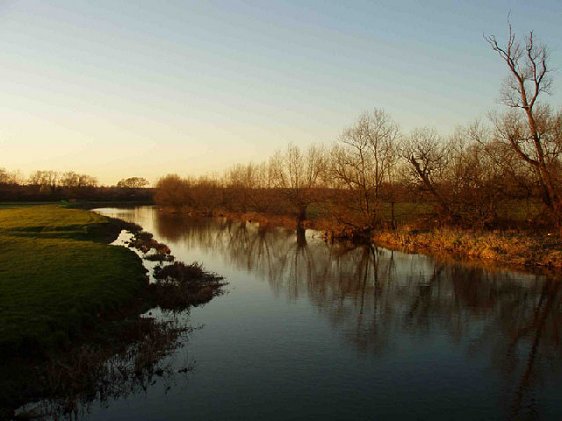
[(310, 330)]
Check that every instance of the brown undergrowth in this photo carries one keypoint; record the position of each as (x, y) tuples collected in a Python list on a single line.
[(514, 248)]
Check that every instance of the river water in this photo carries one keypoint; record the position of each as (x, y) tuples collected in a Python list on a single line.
[(309, 330)]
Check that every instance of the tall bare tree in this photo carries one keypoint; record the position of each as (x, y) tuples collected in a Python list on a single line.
[(528, 128), (298, 174), (364, 160), (48, 180), (72, 179), (245, 184), (428, 156), (9, 177)]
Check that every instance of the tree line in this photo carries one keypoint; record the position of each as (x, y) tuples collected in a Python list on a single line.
[(50, 179), (49, 185), (469, 178)]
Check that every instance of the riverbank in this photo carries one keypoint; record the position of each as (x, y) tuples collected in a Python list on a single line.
[(71, 308), (520, 249), (59, 275), (59, 278), (508, 248)]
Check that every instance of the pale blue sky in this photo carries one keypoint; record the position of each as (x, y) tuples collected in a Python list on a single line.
[(117, 89)]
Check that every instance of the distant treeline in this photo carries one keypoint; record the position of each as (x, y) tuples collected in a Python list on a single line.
[(371, 175), (477, 177), (54, 186)]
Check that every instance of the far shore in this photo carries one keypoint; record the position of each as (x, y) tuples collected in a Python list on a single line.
[(517, 249)]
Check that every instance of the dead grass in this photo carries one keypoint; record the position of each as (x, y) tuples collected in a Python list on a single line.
[(506, 247)]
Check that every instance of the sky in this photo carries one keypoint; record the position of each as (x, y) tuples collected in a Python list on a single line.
[(117, 89)]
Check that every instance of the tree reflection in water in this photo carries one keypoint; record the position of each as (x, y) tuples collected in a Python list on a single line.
[(369, 293)]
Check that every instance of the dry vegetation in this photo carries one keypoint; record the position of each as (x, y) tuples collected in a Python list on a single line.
[(507, 247)]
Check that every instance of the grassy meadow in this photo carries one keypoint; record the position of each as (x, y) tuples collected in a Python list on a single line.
[(58, 276)]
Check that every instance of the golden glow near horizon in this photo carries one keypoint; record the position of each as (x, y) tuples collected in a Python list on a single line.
[(116, 91)]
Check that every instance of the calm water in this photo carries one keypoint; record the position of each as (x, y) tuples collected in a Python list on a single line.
[(317, 331)]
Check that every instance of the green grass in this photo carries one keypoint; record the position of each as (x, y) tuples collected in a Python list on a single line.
[(10, 205), (58, 276)]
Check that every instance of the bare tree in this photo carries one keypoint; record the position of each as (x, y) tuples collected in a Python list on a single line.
[(48, 180), (173, 191), (364, 160), (427, 155), (72, 179), (85, 180), (476, 176), (207, 194), (528, 65), (298, 174), (9, 177), (245, 184)]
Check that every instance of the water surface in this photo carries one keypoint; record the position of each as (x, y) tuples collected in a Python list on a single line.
[(310, 330)]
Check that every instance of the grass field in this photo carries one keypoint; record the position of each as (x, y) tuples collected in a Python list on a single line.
[(58, 276), (11, 205)]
